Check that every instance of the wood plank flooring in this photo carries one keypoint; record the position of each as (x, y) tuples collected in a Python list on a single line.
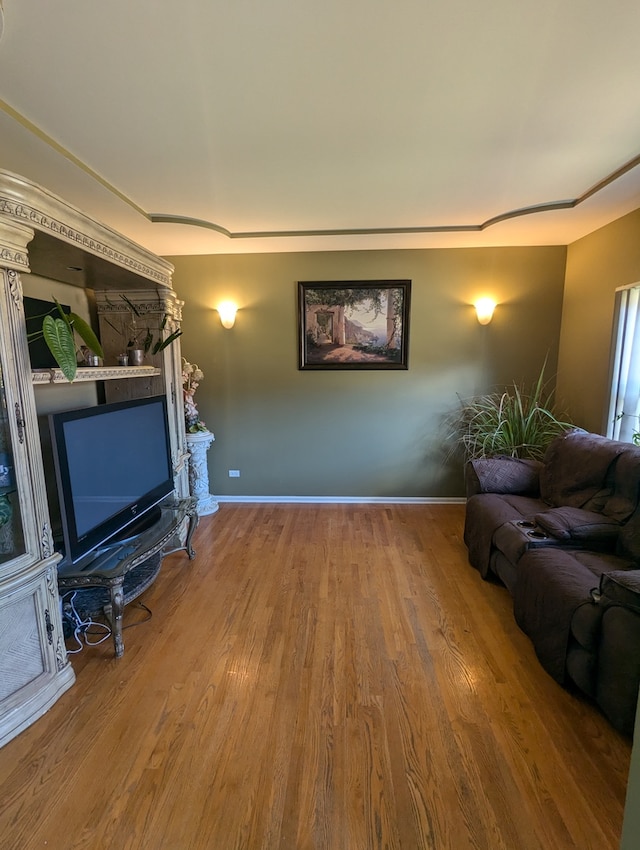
[(328, 677)]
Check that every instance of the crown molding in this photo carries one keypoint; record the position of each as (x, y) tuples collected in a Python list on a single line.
[(170, 218), (25, 203), (550, 206)]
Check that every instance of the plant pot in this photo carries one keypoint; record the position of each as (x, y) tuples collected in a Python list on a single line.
[(136, 356)]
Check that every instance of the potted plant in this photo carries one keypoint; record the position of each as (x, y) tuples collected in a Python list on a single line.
[(515, 421), (142, 340), (59, 330)]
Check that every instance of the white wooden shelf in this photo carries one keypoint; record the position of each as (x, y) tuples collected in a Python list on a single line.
[(93, 373)]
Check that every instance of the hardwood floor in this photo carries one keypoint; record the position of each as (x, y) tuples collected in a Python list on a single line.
[(328, 677)]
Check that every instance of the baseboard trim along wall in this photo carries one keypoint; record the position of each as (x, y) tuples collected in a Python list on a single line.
[(339, 500)]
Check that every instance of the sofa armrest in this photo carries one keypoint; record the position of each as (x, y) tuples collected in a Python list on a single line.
[(620, 587), (512, 475)]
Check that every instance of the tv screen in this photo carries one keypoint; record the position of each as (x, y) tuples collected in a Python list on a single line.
[(113, 464)]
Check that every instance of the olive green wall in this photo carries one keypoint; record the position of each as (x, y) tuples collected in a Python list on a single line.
[(295, 433), (596, 266)]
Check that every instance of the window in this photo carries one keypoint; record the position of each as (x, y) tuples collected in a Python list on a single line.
[(624, 406)]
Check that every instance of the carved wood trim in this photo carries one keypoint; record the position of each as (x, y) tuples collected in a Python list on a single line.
[(25, 203), (14, 238)]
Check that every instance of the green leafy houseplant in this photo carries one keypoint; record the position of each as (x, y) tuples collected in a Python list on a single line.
[(144, 338), (635, 434), (516, 421), (58, 331)]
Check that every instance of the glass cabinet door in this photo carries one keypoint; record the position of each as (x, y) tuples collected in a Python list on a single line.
[(11, 534)]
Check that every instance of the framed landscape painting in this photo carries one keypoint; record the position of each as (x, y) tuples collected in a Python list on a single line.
[(354, 324)]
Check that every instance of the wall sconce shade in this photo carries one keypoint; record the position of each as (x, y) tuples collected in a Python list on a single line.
[(227, 312), (484, 310)]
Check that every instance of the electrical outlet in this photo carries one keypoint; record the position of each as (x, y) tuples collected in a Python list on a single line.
[(234, 473)]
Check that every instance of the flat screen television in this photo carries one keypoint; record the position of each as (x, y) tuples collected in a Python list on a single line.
[(113, 465)]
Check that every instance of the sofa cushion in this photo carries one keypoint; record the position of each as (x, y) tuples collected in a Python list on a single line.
[(625, 485), (619, 667), (582, 667), (551, 585), (485, 513), (621, 587), (504, 569), (628, 543), (578, 524), (503, 475), (585, 625), (599, 563), (575, 470)]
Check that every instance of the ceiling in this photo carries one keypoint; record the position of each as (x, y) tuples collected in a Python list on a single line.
[(294, 125)]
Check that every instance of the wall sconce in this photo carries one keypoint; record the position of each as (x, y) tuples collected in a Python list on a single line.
[(227, 312), (484, 310)]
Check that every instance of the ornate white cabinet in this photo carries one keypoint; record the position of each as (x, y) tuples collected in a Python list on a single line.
[(39, 232), (34, 669)]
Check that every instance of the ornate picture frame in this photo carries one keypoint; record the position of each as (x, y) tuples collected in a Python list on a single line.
[(349, 324)]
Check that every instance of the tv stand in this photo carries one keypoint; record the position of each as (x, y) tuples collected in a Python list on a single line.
[(119, 574)]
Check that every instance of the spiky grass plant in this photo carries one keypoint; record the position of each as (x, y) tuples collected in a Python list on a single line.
[(516, 422)]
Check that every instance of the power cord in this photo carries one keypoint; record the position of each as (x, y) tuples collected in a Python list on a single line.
[(80, 625), (140, 622)]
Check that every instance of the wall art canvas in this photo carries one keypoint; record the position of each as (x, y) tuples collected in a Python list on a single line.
[(354, 324)]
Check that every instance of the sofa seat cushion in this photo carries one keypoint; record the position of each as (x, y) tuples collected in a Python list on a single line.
[(578, 524), (552, 583), (486, 512), (569, 527), (600, 563)]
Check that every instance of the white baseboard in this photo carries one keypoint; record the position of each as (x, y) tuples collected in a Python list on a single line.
[(351, 500)]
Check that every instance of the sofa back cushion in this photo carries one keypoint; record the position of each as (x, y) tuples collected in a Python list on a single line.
[(577, 470), (502, 475), (628, 542), (625, 485)]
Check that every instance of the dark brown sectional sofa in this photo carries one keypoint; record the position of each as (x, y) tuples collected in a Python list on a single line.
[(563, 535)]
